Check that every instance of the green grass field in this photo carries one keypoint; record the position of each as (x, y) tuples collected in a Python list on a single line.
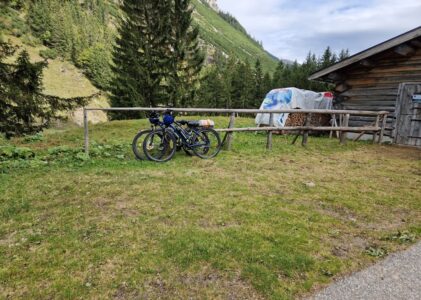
[(249, 224)]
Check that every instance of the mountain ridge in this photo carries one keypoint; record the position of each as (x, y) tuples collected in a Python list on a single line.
[(217, 32), (213, 4)]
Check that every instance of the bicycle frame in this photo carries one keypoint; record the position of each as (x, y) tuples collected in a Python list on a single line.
[(174, 136), (181, 133)]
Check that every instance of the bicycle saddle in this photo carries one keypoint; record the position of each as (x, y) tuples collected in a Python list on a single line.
[(190, 123)]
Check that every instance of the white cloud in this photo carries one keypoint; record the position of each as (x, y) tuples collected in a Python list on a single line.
[(289, 29)]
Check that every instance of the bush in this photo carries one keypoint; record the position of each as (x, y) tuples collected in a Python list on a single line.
[(11, 152), (3, 140), (96, 62), (48, 53), (34, 138), (30, 40)]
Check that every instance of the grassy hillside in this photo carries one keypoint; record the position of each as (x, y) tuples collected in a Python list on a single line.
[(62, 79), (219, 33), (249, 224)]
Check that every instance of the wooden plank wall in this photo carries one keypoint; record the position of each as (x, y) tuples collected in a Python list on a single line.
[(373, 85), (408, 123)]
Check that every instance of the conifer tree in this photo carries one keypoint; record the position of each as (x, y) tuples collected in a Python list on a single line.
[(258, 80), (343, 54), (278, 75), (214, 91), (140, 57), (186, 56), (267, 85), (23, 107), (243, 86), (157, 58), (328, 58)]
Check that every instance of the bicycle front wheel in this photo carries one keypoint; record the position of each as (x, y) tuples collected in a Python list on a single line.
[(159, 146), (207, 143), (137, 144)]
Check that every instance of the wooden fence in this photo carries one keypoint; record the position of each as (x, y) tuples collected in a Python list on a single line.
[(377, 128)]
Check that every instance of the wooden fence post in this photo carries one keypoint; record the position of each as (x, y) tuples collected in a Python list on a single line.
[(270, 133), (344, 134), (230, 134), (384, 123), (376, 125), (332, 121), (305, 134), (86, 131)]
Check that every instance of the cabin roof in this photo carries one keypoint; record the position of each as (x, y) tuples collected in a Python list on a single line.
[(394, 42)]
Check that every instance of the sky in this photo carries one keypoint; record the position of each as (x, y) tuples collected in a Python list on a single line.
[(290, 29)]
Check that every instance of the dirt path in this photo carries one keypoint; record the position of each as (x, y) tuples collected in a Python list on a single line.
[(397, 277)]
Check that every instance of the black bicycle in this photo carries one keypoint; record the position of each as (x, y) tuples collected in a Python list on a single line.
[(167, 136)]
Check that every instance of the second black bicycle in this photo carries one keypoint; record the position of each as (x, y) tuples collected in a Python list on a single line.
[(161, 142)]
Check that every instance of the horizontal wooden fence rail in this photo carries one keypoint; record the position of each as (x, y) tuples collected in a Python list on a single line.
[(300, 128), (244, 111), (377, 128)]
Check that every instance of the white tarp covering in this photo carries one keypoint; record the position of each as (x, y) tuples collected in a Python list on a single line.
[(291, 98)]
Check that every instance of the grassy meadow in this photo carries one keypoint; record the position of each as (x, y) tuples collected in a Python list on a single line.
[(249, 224)]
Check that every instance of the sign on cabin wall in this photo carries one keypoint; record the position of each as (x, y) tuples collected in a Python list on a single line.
[(416, 98)]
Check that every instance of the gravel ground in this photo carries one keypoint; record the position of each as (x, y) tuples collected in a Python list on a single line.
[(396, 277)]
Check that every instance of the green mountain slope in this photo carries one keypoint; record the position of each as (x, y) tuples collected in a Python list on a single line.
[(82, 33), (216, 32)]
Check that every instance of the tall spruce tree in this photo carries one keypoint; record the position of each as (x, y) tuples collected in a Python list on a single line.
[(259, 83), (140, 57), (186, 57), (157, 58), (214, 91), (23, 107), (267, 84), (242, 86)]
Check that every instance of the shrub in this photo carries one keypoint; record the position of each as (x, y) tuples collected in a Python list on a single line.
[(96, 61), (48, 53), (34, 138), (30, 40), (11, 152)]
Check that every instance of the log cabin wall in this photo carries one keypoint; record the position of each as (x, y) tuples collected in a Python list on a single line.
[(373, 83)]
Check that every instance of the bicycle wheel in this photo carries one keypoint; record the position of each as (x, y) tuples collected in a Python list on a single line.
[(137, 144), (207, 143), (185, 147), (159, 146)]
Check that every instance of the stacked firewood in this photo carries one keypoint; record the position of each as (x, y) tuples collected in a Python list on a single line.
[(298, 119)]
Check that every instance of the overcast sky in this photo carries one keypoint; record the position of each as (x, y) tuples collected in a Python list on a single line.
[(289, 29)]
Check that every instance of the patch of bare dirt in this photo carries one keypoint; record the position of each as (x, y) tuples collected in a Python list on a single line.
[(213, 225), (206, 284), (8, 240)]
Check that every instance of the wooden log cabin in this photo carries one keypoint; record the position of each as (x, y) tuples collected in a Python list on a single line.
[(386, 77)]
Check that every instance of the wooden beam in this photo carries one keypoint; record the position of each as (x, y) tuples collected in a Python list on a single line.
[(342, 88), (335, 76), (416, 43), (376, 125), (305, 135), (86, 131), (404, 50), (230, 133), (244, 111), (344, 134), (270, 133), (367, 63), (381, 135), (300, 128)]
